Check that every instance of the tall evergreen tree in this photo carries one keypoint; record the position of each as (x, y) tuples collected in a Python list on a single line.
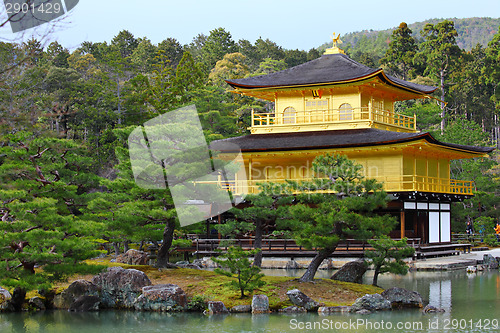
[(217, 44), (483, 171), (402, 50), (471, 92), (492, 72), (125, 42), (188, 77), (143, 56), (440, 52), (173, 51)]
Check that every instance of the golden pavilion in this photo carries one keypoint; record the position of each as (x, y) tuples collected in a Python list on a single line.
[(334, 104)]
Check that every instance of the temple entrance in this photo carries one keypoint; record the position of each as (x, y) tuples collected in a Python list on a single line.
[(422, 223), (428, 221)]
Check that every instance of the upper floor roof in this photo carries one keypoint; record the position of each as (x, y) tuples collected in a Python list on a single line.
[(329, 69), (339, 139)]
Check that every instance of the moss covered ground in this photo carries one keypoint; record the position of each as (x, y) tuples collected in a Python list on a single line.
[(214, 287)]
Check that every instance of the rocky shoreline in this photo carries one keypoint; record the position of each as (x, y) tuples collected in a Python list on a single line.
[(131, 289)]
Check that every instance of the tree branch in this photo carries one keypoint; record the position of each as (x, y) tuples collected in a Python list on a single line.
[(31, 228)]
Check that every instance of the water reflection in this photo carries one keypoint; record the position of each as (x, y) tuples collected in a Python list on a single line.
[(440, 294), (470, 298)]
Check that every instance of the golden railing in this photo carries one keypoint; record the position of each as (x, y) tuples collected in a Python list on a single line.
[(334, 116), (405, 183)]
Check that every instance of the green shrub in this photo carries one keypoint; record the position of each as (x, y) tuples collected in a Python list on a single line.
[(387, 256), (198, 303), (182, 243), (238, 266), (491, 240), (484, 225)]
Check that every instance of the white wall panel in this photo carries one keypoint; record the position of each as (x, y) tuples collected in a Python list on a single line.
[(434, 227), (445, 227)]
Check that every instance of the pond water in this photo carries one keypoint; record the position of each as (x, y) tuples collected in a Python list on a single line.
[(472, 304)]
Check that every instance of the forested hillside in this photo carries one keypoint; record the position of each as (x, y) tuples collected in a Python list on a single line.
[(65, 179), (471, 31)]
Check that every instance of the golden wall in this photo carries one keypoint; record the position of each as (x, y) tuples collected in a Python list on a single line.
[(398, 171)]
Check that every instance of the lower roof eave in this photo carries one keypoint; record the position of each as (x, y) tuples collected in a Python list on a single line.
[(429, 196)]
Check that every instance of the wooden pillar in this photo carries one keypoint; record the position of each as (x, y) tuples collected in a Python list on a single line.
[(370, 107), (218, 232), (235, 190), (249, 177), (403, 226)]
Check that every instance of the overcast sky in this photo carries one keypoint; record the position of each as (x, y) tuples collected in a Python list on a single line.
[(292, 24)]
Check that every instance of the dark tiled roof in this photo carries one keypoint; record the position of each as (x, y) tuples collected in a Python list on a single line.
[(328, 68), (332, 139)]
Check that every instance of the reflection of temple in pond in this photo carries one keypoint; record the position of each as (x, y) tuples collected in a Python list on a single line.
[(440, 294)]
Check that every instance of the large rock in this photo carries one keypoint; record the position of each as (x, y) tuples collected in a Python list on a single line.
[(17, 301), (298, 298), (260, 304), (326, 310), (162, 297), (36, 304), (292, 264), (216, 308), (120, 287), (200, 263), (432, 309), (369, 302), (75, 290), (402, 298), (186, 264), (241, 308), (85, 304), (5, 297), (133, 257), (489, 261), (293, 309), (352, 271)]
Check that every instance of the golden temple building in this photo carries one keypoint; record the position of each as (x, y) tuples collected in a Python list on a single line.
[(335, 105)]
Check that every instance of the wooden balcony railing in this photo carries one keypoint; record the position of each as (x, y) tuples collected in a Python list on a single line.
[(405, 183), (351, 115)]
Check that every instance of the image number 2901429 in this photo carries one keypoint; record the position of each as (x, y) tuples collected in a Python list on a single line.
[(27, 14)]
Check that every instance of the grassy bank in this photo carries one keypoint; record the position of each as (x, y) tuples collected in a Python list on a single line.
[(214, 287)]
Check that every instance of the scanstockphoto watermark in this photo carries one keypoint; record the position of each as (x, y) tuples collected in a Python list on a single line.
[(362, 324), (356, 325), (170, 151), (260, 170), (27, 14)]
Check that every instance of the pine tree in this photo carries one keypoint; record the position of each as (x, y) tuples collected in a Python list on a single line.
[(237, 265), (130, 213), (440, 52), (387, 256), (321, 219), (44, 239), (402, 50), (260, 214)]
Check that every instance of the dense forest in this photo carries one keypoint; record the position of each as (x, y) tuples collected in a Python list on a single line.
[(470, 32), (65, 178)]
